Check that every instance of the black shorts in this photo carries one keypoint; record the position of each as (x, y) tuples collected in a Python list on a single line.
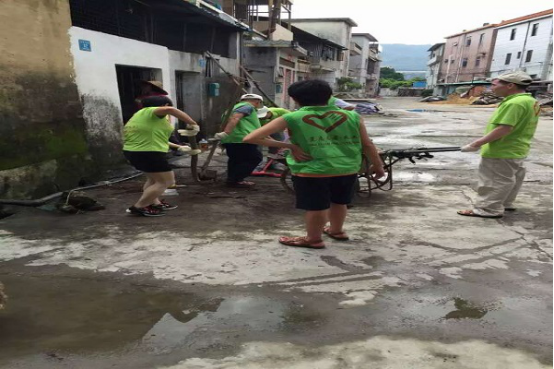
[(148, 161), (317, 193)]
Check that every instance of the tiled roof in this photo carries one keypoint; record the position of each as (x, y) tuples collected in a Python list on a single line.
[(526, 17)]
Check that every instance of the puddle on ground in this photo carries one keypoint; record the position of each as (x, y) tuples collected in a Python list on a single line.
[(465, 309), (424, 111), (413, 177), (76, 315)]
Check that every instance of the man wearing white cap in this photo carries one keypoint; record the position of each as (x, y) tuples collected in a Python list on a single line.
[(504, 147), (243, 157)]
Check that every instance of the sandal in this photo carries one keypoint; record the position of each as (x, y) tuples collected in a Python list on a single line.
[(340, 236), (470, 213), (301, 242)]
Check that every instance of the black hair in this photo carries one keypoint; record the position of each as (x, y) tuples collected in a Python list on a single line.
[(311, 92), (152, 101)]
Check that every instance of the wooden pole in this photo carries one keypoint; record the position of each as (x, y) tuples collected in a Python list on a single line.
[(249, 76)]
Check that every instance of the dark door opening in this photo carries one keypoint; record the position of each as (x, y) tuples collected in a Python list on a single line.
[(128, 82)]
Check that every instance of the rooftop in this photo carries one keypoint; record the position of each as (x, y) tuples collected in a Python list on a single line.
[(349, 21), (436, 46), (542, 14), (366, 35), (473, 30)]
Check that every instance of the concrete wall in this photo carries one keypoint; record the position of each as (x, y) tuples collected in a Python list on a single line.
[(456, 50), (358, 63), (43, 147), (95, 74), (264, 63), (97, 82), (541, 45), (433, 66)]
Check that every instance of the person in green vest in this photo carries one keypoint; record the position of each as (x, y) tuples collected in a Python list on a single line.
[(146, 142), (266, 115), (242, 157), (504, 146), (326, 146)]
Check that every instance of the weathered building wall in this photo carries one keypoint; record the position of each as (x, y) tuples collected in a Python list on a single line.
[(463, 62), (43, 147), (98, 85), (95, 74), (337, 31), (540, 45), (263, 63)]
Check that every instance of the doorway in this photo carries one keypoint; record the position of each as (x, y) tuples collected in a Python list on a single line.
[(128, 82)]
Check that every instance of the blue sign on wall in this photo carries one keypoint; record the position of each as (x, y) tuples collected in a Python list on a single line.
[(85, 45), (202, 63)]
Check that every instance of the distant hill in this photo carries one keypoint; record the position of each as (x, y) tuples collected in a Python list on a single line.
[(405, 57)]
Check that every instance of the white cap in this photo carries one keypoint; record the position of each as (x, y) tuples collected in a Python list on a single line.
[(262, 112), (251, 97)]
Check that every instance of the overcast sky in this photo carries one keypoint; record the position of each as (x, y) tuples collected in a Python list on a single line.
[(417, 21)]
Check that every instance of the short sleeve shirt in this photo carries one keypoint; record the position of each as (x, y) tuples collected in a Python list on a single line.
[(146, 131), (521, 111)]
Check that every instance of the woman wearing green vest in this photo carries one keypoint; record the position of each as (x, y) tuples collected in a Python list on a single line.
[(243, 157), (146, 142), (326, 154)]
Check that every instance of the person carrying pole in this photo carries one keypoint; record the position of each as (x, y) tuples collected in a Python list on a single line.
[(243, 157), (504, 146)]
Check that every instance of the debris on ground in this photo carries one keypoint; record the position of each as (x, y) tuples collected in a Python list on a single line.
[(367, 108), (3, 297), (487, 98), (544, 99), (72, 202), (433, 99)]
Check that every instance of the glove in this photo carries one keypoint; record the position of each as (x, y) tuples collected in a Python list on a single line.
[(184, 148), (469, 148), (193, 127), (221, 135), (195, 152), (188, 132)]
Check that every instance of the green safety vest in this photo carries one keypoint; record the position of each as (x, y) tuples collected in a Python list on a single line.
[(330, 136), (246, 125)]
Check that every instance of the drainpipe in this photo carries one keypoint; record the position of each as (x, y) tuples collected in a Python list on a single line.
[(461, 54), (547, 61), (524, 45)]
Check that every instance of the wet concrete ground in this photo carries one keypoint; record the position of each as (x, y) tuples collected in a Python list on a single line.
[(208, 286)]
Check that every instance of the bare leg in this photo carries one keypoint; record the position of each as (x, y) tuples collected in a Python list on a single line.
[(337, 215), (315, 221), (160, 181)]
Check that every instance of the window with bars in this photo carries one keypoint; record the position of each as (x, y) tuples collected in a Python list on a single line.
[(132, 19), (123, 18)]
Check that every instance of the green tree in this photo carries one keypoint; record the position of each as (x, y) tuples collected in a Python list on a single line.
[(347, 84), (390, 73)]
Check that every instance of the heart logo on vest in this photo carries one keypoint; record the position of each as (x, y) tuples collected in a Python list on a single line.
[(309, 120)]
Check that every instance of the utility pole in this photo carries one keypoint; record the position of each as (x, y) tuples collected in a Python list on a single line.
[(274, 7)]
